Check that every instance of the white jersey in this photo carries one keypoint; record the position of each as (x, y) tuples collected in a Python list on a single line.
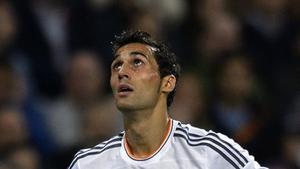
[(186, 147)]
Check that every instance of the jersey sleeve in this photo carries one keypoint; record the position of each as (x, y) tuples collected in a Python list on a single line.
[(245, 158), (253, 165), (74, 163), (75, 166)]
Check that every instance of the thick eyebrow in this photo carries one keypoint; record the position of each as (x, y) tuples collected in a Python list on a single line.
[(134, 53), (115, 56)]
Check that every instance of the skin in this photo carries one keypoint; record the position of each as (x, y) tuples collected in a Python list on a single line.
[(144, 108)]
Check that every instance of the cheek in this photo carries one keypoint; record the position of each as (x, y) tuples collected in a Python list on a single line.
[(151, 76), (154, 76), (112, 82), (152, 80)]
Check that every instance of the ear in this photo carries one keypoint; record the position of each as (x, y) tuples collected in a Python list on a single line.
[(168, 83)]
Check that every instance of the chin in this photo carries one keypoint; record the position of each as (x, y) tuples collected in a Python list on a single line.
[(124, 107)]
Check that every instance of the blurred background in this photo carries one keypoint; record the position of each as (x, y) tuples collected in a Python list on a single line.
[(241, 74)]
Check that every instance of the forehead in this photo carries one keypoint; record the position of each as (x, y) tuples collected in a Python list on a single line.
[(145, 49)]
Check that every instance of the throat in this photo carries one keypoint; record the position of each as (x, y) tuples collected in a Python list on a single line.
[(141, 147)]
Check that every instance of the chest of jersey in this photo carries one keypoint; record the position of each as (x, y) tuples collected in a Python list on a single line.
[(177, 155)]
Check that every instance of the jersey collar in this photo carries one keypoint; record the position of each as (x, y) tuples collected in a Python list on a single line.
[(126, 155)]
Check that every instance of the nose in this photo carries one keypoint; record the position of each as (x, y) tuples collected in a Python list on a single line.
[(123, 72)]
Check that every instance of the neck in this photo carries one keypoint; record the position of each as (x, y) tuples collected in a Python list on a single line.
[(144, 135)]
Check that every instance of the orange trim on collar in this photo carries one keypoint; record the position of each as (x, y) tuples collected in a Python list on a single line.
[(130, 154)]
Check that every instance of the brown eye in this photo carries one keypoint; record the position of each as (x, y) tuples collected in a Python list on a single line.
[(117, 66), (137, 62)]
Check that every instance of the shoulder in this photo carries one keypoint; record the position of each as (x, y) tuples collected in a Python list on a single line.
[(189, 133), (98, 149), (219, 149)]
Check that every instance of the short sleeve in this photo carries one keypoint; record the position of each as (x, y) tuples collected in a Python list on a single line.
[(242, 156)]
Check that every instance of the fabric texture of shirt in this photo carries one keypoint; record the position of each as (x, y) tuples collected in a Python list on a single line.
[(186, 147)]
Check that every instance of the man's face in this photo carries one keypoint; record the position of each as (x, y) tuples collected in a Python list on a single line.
[(135, 78)]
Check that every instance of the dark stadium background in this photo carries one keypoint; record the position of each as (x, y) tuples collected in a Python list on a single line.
[(240, 76)]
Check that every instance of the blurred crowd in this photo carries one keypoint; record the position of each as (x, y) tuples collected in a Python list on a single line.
[(241, 74)]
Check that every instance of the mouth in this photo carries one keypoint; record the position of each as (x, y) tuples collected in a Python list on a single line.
[(124, 89)]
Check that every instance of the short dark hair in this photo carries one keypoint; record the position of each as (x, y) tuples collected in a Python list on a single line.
[(166, 60)]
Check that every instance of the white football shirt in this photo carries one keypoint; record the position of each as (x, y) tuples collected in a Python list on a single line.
[(185, 147)]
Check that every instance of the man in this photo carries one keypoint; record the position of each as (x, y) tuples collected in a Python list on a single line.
[(144, 75)]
